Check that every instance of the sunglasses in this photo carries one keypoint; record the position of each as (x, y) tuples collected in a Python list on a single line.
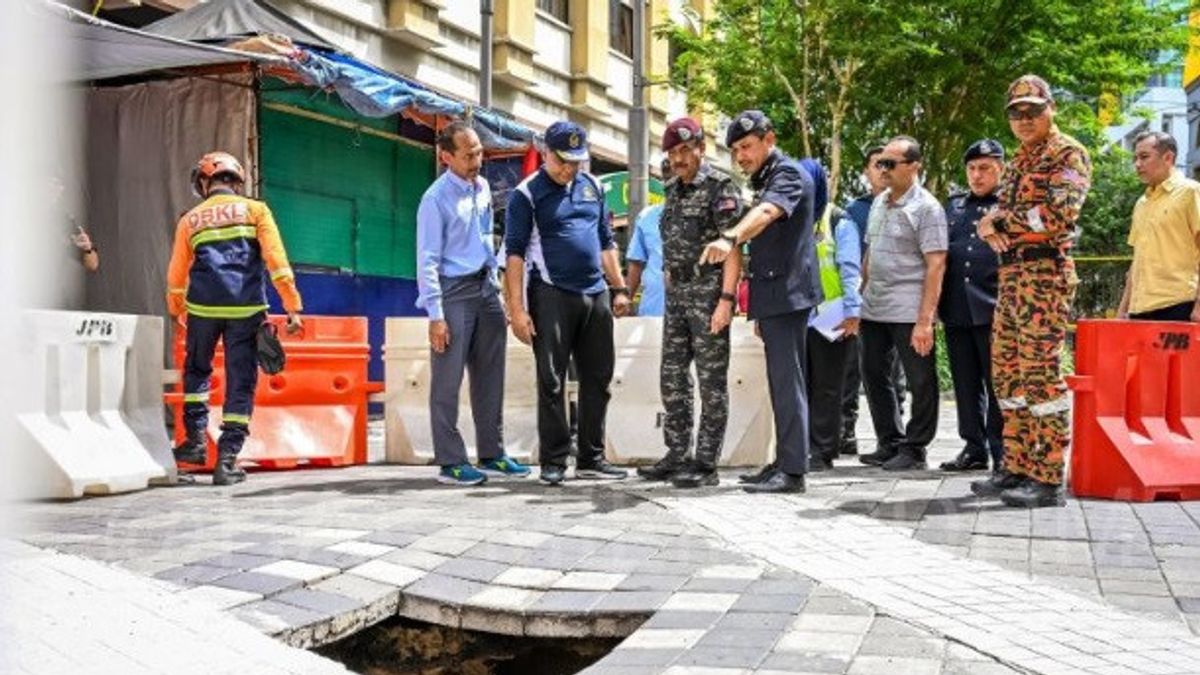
[(889, 164), (1031, 113)]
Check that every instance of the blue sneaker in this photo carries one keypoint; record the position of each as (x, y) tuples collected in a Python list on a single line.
[(461, 474), (504, 467)]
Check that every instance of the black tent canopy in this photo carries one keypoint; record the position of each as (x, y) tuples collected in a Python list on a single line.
[(222, 20)]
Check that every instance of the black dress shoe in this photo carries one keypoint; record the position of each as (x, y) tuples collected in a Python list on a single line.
[(966, 461), (778, 482), (757, 476), (696, 476), (906, 460), (600, 470), (849, 445), (817, 464), (1033, 494), (663, 469), (996, 483), (878, 457), (552, 475)]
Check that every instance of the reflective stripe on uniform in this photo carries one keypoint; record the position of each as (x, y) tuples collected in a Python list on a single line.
[(201, 397), (281, 273), (224, 234), (1058, 405), (1015, 403), (177, 291), (215, 312), (232, 418)]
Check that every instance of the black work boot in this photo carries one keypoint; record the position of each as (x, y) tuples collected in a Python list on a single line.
[(878, 457), (194, 450), (664, 468), (697, 475), (1033, 494), (227, 471), (996, 483)]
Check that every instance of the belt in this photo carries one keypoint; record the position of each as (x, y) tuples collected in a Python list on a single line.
[(1031, 253)]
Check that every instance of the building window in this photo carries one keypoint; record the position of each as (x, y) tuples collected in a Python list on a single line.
[(555, 8), (620, 27)]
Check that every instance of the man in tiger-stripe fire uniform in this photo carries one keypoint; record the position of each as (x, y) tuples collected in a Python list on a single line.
[(216, 288), (1032, 228)]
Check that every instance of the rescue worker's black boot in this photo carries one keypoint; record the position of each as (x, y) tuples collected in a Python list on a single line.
[(1033, 494), (665, 468), (996, 483), (228, 447), (194, 450)]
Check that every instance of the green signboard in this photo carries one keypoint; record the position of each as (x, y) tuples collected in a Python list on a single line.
[(616, 192)]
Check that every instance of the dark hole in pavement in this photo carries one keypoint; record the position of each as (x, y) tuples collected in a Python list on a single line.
[(402, 646)]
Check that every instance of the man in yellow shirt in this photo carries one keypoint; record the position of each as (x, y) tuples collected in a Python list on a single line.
[(1162, 281)]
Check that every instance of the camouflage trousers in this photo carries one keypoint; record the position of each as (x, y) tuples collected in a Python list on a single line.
[(1033, 309), (687, 339)]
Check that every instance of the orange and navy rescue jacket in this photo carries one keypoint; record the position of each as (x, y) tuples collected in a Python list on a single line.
[(223, 246)]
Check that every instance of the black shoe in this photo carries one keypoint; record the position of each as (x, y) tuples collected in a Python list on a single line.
[(1033, 494), (227, 471), (600, 470), (907, 460), (996, 483), (192, 451), (778, 482), (552, 475), (878, 457), (849, 445), (966, 461), (696, 476), (818, 464), (757, 476), (663, 469)]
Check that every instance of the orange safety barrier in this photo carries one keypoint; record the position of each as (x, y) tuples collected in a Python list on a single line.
[(1137, 411), (313, 413)]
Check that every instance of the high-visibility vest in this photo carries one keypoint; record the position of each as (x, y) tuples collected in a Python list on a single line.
[(831, 281)]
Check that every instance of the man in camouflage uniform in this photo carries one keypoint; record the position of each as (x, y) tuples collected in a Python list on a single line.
[(700, 204), (1041, 193)]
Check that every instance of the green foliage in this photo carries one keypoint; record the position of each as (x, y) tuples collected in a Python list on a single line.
[(837, 74)]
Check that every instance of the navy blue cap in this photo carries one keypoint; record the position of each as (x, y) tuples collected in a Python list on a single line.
[(986, 147), (568, 140), (746, 122)]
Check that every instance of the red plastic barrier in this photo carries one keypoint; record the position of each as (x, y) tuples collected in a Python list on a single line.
[(313, 413), (1137, 410)]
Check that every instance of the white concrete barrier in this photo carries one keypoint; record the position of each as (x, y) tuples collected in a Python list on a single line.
[(635, 413), (409, 437), (92, 421)]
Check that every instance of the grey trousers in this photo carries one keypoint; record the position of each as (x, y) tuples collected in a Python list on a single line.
[(478, 334)]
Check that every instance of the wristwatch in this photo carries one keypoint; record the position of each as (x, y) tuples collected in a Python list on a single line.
[(728, 296), (731, 238), (618, 290)]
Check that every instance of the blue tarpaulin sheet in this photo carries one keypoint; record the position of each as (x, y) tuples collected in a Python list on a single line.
[(372, 92)]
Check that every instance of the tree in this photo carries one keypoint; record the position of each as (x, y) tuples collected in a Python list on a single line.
[(838, 74)]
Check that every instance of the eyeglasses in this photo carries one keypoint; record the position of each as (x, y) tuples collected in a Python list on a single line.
[(1030, 113), (889, 164)]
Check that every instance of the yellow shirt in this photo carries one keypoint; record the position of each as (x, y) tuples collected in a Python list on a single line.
[(1165, 237)]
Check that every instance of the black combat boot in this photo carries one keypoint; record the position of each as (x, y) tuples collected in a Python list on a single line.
[(697, 475), (664, 468), (227, 471), (1033, 494), (194, 450), (996, 483), (228, 447)]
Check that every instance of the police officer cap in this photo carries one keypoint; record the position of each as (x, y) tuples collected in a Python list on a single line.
[(986, 147), (746, 122), (682, 130), (1029, 89), (567, 140)]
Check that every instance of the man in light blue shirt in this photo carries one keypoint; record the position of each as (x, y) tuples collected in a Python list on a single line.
[(646, 261), (458, 289)]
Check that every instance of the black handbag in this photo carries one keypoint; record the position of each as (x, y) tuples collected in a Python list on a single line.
[(270, 351)]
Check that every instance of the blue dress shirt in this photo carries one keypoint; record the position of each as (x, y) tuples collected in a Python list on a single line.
[(646, 248), (454, 236)]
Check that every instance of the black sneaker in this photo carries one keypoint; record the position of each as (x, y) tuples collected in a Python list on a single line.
[(1033, 494), (878, 457), (996, 483), (905, 461), (552, 475), (600, 470), (695, 477), (966, 461), (663, 469)]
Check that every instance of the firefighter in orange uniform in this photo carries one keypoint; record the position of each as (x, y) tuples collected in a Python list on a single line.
[(224, 248)]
